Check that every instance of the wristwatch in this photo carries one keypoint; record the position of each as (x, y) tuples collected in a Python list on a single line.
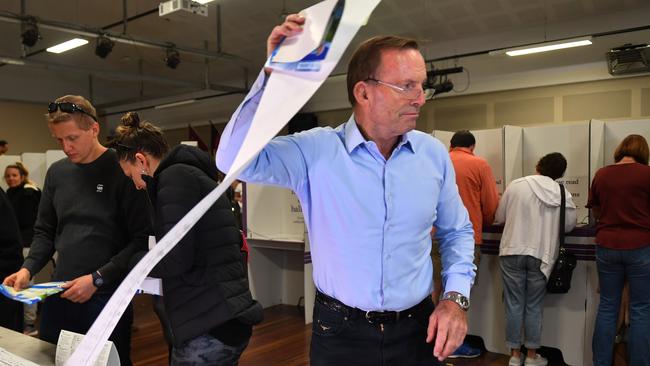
[(458, 298), (98, 280)]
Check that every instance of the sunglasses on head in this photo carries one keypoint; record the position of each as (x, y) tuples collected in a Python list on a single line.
[(67, 107)]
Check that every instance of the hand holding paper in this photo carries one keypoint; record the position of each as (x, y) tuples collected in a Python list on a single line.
[(18, 280), (80, 289), (292, 26)]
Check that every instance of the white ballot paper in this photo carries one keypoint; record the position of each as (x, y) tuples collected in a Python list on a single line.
[(317, 18), (69, 341), (9, 359), (285, 93), (150, 285)]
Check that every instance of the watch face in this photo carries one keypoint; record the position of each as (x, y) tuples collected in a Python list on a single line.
[(98, 281)]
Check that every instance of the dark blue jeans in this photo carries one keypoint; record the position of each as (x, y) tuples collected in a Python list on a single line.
[(206, 350), (614, 266), (61, 314), (341, 339)]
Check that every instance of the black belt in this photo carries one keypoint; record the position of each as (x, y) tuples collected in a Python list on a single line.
[(373, 317)]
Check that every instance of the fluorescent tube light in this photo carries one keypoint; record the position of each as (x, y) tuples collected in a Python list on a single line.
[(175, 104), (549, 46), (67, 45), (12, 61), (203, 1)]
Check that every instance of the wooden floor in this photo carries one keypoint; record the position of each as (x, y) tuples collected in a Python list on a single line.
[(281, 340)]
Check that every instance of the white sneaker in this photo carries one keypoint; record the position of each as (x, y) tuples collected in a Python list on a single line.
[(514, 361), (537, 361)]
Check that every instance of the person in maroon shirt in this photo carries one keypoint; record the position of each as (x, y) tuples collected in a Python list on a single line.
[(620, 200)]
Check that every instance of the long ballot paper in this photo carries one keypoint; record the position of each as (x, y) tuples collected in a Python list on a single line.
[(286, 92)]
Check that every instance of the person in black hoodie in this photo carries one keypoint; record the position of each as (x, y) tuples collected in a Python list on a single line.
[(209, 308), (11, 257)]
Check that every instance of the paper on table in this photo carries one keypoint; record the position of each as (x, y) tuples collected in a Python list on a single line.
[(69, 341), (9, 359), (313, 31), (285, 94)]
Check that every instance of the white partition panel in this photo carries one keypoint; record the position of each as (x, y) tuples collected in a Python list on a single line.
[(4, 161), (35, 164), (572, 141), (52, 156), (615, 132), (443, 136), (513, 146), (596, 146), (273, 214), (489, 146)]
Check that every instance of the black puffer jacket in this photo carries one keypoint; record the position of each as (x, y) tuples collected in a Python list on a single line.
[(25, 199), (204, 283), (11, 252)]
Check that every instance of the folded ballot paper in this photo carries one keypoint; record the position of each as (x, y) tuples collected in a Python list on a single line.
[(33, 294), (307, 52)]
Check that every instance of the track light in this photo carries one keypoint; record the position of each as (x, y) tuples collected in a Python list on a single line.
[(104, 46), (444, 87), (173, 58), (30, 34)]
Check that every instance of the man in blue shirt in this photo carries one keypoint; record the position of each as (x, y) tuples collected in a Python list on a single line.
[(371, 190)]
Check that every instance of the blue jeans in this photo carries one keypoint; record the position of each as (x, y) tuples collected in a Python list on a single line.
[(614, 266), (525, 286), (206, 350)]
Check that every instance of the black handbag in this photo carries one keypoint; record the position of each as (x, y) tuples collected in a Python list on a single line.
[(559, 281)]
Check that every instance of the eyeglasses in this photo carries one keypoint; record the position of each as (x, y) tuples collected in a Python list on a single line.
[(410, 90), (67, 107)]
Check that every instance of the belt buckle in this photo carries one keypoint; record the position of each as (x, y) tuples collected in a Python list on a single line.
[(382, 314)]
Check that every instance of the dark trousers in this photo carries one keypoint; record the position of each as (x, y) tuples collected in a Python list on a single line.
[(61, 314), (11, 314), (341, 337)]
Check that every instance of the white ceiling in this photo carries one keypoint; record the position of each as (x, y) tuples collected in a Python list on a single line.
[(445, 28)]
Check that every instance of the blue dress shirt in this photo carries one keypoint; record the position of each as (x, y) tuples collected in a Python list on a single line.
[(369, 219)]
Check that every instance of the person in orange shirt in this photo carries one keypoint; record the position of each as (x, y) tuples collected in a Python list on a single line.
[(478, 190)]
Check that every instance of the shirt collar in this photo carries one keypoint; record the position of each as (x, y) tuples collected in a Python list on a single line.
[(354, 138), (461, 149)]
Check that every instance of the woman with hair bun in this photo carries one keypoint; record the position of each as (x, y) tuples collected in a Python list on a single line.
[(209, 308)]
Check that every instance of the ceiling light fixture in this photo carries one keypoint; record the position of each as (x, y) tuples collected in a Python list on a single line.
[(545, 47), (173, 58), (67, 45), (202, 2), (104, 46), (30, 34)]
